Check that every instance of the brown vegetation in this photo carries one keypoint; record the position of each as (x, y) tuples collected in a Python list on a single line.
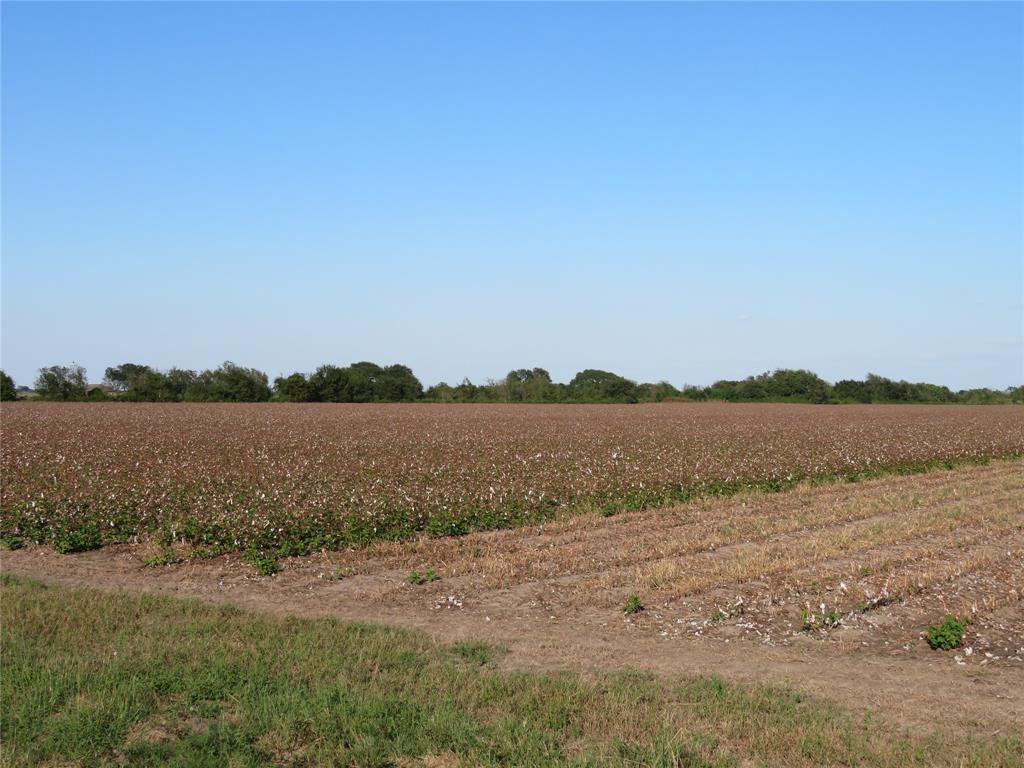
[(292, 479)]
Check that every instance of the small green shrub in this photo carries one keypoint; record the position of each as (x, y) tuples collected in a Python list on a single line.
[(265, 564), (77, 540), (11, 542), (167, 557), (947, 635), (633, 605), (418, 578)]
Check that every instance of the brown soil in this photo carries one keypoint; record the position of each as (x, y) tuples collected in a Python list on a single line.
[(726, 583)]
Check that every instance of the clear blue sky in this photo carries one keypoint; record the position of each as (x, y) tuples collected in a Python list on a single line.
[(685, 191)]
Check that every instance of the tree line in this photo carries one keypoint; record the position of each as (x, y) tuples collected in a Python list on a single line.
[(367, 382)]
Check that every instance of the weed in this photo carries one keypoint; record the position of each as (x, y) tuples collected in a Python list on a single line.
[(807, 620), (825, 620), (166, 557), (416, 577), (947, 635), (633, 605), (265, 564), (11, 542)]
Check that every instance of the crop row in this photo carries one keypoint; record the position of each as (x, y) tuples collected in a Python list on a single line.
[(289, 479)]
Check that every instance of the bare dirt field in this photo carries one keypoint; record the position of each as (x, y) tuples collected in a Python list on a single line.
[(830, 587)]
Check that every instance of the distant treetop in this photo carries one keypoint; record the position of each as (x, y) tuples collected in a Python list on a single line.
[(366, 382)]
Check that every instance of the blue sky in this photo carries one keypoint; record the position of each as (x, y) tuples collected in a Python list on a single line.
[(682, 192)]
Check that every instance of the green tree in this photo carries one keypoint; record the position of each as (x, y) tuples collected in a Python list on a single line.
[(466, 392), (61, 382), (442, 392), (7, 389), (121, 378), (657, 392), (229, 383), (365, 382), (363, 379), (594, 385), (329, 384), (150, 387), (529, 385), (723, 389), (293, 389), (397, 383), (851, 390), (802, 385), (178, 381)]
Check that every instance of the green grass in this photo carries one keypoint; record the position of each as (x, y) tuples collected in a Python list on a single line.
[(96, 679), (480, 654)]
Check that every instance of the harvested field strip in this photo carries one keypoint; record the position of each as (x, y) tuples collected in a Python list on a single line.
[(751, 531), (922, 532), (945, 580), (599, 543), (694, 567), (911, 570), (789, 552), (960, 582)]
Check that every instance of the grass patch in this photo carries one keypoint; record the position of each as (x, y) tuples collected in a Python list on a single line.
[(480, 654), (105, 679)]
